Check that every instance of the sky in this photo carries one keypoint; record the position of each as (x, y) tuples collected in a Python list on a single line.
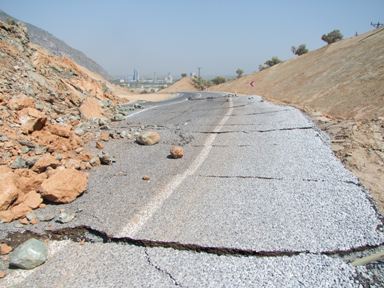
[(179, 36)]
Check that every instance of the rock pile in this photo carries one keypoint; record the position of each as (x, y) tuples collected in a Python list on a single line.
[(49, 108)]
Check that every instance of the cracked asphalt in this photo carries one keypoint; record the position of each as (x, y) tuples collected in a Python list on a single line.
[(259, 200)]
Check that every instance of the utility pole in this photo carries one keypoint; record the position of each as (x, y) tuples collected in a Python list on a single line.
[(198, 72), (377, 25)]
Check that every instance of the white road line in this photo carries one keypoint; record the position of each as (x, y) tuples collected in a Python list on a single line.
[(153, 107), (145, 213)]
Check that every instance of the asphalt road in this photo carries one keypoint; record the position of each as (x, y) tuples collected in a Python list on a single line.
[(258, 200)]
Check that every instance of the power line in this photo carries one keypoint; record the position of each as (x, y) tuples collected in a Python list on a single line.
[(377, 25)]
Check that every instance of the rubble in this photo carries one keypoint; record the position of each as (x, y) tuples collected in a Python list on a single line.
[(176, 152), (148, 138), (29, 255), (50, 108)]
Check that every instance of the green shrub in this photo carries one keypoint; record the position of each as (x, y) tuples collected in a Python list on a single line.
[(332, 37), (299, 50)]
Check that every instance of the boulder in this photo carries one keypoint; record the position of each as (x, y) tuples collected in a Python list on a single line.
[(20, 102), (29, 255), (148, 138), (90, 108), (44, 162), (176, 152), (64, 185), (8, 190), (61, 130)]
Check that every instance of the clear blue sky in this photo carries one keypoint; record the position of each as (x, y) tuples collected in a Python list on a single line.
[(178, 36)]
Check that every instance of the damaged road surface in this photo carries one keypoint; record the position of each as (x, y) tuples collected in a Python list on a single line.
[(258, 200)]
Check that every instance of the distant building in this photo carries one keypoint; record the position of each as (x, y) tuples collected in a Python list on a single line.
[(136, 76), (168, 79)]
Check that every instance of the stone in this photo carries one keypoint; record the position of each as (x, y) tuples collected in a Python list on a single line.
[(45, 215), (91, 108), (148, 138), (176, 152), (8, 190), (65, 217), (33, 199), (61, 130), (104, 136), (99, 145), (44, 162), (105, 159), (79, 131), (95, 161), (20, 102), (5, 249), (20, 210), (118, 117), (24, 221), (3, 138), (19, 163), (30, 216), (146, 178), (29, 255), (64, 186)]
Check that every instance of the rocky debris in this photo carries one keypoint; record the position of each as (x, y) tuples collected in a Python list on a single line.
[(104, 136), (65, 216), (146, 178), (99, 145), (5, 249), (176, 152), (105, 158), (64, 186), (45, 214), (148, 138), (29, 255), (49, 109), (3, 268)]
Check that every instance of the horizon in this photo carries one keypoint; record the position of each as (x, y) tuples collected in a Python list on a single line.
[(173, 37)]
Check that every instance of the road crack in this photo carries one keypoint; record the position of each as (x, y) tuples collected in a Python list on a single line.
[(159, 269), (255, 131)]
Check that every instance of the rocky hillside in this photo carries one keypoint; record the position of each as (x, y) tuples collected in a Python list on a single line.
[(57, 47), (49, 109), (342, 87)]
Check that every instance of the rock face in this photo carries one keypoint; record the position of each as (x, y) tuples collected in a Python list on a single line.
[(176, 152), (64, 186), (148, 138), (29, 255)]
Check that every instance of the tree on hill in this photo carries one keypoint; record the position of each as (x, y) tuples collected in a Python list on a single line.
[(269, 63), (218, 80), (332, 37), (183, 75), (299, 50), (239, 72), (200, 83)]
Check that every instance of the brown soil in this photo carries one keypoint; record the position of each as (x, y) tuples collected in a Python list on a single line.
[(342, 87), (183, 85)]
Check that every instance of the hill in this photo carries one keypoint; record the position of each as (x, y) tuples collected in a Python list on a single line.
[(183, 85), (342, 87), (57, 46)]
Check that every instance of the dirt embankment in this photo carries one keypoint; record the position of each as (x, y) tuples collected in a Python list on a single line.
[(342, 87), (183, 85)]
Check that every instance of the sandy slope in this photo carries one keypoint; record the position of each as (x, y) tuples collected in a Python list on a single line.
[(183, 85), (342, 87)]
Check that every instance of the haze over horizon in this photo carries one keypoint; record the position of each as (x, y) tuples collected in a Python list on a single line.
[(179, 36)]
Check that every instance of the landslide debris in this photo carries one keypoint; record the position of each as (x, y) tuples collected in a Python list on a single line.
[(49, 109)]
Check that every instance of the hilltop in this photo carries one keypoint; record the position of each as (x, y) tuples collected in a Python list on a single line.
[(183, 85), (342, 87), (56, 46)]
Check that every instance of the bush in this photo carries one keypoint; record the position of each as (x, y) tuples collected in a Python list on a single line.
[(332, 37), (300, 50), (239, 72), (183, 75), (200, 83), (269, 63), (218, 80)]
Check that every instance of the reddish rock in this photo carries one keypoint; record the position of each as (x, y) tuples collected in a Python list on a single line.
[(20, 210), (5, 249), (6, 216), (8, 190), (146, 178), (90, 108), (44, 162), (20, 102), (61, 130), (148, 138), (32, 199), (24, 221), (99, 145), (64, 186), (176, 152), (104, 136)]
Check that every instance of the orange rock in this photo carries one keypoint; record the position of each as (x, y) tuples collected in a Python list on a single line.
[(176, 152), (6, 216), (90, 108), (30, 181), (44, 162), (146, 178), (99, 145), (32, 199), (20, 102), (3, 274), (24, 221), (34, 221), (64, 186), (20, 210), (33, 124), (60, 130), (104, 136), (5, 249), (8, 190)]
